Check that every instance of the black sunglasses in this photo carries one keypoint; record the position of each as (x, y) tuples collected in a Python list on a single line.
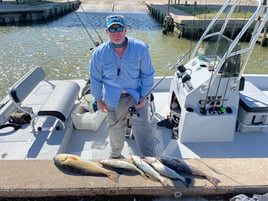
[(115, 29)]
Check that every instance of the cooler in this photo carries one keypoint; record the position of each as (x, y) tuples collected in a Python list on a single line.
[(253, 109)]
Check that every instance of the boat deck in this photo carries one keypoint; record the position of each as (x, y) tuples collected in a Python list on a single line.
[(241, 165), (95, 145)]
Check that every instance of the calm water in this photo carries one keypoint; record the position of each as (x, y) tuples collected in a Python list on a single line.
[(62, 47)]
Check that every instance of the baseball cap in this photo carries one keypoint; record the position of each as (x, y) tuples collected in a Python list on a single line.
[(115, 19)]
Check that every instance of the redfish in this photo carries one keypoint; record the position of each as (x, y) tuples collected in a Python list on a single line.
[(84, 167), (165, 170), (183, 168)]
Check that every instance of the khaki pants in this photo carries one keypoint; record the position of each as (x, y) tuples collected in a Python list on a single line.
[(140, 125)]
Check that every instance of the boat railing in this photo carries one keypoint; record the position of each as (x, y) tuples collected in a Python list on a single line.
[(257, 20)]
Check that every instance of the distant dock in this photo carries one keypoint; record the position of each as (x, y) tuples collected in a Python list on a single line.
[(189, 26), (17, 13)]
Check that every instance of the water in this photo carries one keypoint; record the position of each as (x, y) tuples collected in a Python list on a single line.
[(62, 47)]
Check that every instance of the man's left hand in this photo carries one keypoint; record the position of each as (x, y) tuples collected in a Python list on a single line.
[(141, 103)]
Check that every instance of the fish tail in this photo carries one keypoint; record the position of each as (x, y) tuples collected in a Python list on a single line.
[(164, 182), (188, 182), (179, 177), (213, 180), (113, 176)]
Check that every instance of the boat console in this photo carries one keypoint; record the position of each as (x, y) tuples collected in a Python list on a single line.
[(208, 107), (207, 88)]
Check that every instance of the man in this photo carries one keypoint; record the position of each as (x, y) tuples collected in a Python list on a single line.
[(121, 76)]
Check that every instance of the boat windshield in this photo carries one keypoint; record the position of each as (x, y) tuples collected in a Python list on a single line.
[(216, 49)]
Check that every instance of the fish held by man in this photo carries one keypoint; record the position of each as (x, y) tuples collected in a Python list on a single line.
[(76, 164), (165, 170), (149, 170), (182, 167), (122, 164)]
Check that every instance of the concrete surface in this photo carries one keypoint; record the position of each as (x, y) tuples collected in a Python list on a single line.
[(41, 178)]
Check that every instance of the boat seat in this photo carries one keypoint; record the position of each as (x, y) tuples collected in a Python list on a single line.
[(58, 104), (24, 86), (252, 99)]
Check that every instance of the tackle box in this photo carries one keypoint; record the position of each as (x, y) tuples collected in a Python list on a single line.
[(253, 109)]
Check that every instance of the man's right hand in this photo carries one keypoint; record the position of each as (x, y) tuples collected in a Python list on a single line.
[(102, 106)]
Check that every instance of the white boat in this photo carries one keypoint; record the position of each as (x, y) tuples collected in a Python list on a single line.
[(223, 123)]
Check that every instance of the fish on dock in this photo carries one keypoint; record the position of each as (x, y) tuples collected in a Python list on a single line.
[(76, 164), (165, 170), (149, 170), (182, 167), (122, 164)]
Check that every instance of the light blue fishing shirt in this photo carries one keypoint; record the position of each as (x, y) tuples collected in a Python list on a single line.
[(133, 72)]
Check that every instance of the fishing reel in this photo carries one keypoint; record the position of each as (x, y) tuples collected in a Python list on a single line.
[(185, 77), (133, 111)]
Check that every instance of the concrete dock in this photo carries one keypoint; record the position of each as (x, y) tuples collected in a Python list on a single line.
[(41, 178), (186, 25), (15, 13)]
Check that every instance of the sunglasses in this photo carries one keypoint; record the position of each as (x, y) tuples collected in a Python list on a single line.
[(115, 29)]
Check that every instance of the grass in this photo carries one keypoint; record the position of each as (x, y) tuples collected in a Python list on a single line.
[(208, 12)]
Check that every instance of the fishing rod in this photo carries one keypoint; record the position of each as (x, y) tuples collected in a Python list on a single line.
[(132, 109), (92, 24), (96, 43)]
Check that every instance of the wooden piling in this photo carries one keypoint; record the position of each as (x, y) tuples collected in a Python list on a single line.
[(263, 37)]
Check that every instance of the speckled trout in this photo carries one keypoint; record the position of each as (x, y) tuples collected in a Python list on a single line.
[(85, 167), (182, 167), (165, 170), (122, 164), (148, 170)]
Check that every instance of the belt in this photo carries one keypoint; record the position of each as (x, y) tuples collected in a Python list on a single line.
[(124, 94)]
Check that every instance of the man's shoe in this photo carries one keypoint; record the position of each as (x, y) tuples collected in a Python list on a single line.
[(164, 122), (175, 133), (116, 157), (171, 121)]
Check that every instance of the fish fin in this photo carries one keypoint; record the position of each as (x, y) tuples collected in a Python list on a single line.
[(213, 180), (144, 176), (113, 176), (151, 177)]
